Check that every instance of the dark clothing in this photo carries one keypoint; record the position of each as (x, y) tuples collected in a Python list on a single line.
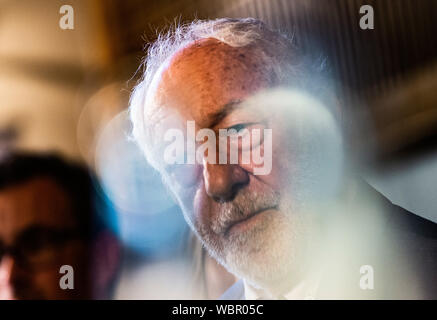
[(400, 247)]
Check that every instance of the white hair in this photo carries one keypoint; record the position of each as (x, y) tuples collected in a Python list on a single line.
[(278, 54)]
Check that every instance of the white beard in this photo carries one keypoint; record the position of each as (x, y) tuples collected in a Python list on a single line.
[(271, 255)]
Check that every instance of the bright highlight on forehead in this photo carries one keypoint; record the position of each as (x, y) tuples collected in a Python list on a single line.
[(204, 77)]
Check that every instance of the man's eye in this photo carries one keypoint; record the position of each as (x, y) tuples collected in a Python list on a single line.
[(246, 135), (239, 127)]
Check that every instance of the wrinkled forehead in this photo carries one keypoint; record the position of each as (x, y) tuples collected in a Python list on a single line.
[(205, 77)]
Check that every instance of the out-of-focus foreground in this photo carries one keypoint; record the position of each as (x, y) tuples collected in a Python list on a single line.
[(67, 91)]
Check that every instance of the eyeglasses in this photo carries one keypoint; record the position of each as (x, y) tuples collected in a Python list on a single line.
[(38, 248)]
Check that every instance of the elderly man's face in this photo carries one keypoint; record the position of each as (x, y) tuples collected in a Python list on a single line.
[(254, 224)]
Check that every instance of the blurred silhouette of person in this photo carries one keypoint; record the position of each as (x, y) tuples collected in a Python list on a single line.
[(48, 218)]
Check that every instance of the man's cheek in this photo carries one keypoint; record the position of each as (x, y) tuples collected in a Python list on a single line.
[(278, 176), (261, 160), (200, 207), (184, 197)]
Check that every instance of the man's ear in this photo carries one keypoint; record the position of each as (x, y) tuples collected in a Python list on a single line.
[(105, 259)]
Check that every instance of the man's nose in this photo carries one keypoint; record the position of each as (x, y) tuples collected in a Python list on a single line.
[(6, 268), (223, 181)]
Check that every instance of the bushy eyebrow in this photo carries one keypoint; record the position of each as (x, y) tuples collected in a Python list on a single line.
[(226, 109)]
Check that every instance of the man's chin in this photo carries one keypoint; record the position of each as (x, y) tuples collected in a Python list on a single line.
[(265, 253)]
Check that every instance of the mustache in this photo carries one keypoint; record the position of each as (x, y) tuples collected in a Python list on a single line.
[(246, 204)]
